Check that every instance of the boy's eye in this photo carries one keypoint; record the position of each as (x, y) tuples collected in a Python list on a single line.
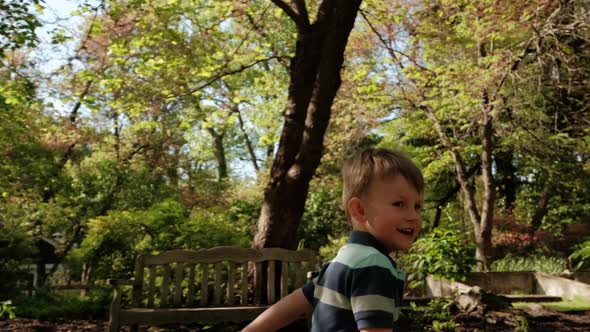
[(418, 207), (398, 204)]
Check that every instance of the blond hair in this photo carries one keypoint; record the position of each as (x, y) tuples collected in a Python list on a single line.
[(359, 171)]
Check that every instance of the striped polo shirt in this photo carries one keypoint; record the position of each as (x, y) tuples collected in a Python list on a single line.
[(361, 287)]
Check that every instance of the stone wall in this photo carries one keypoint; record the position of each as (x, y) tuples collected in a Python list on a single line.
[(557, 286), (504, 282)]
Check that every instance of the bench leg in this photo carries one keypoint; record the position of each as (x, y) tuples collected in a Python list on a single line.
[(114, 323), (113, 327)]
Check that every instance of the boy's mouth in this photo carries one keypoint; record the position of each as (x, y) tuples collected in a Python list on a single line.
[(406, 231)]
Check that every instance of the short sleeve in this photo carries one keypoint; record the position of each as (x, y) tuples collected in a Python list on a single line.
[(308, 290)]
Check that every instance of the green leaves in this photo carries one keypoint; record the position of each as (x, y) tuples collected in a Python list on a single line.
[(581, 256), (441, 253), (7, 310), (18, 25)]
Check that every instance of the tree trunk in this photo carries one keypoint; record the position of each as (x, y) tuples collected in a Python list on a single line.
[(249, 144), (482, 225), (506, 178), (219, 154), (484, 238), (542, 206), (85, 279), (314, 81)]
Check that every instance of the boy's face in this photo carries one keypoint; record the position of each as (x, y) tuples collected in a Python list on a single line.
[(392, 212)]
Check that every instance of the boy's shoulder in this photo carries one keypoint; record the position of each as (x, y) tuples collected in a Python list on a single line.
[(358, 256)]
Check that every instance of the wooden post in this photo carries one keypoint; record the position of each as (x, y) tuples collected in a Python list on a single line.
[(138, 282), (115, 310)]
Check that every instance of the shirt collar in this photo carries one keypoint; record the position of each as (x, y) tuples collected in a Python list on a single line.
[(365, 238)]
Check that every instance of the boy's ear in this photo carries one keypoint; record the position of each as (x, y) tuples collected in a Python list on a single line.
[(356, 209)]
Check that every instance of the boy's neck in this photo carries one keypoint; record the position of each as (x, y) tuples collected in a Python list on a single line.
[(366, 238)]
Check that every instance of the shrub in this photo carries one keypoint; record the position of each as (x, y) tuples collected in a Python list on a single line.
[(441, 253), (435, 316), (211, 227), (16, 250), (6, 310), (323, 218), (580, 258), (48, 305), (538, 263)]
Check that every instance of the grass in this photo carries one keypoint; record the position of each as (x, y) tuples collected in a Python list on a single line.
[(579, 303), (537, 263), (48, 305)]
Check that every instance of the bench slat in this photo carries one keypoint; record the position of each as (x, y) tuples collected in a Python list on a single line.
[(178, 276), (271, 277), (232, 254), (165, 286), (151, 286), (191, 285), (284, 279), (190, 315), (231, 271), (258, 284), (204, 284), (217, 285), (244, 284), (138, 282)]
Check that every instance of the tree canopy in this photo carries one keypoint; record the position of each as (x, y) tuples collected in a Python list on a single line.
[(187, 124)]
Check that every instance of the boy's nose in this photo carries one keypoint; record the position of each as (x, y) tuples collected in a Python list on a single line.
[(414, 215)]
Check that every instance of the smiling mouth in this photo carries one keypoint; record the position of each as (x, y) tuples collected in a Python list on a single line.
[(406, 231)]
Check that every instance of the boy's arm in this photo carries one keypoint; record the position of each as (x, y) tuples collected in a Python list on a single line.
[(282, 313)]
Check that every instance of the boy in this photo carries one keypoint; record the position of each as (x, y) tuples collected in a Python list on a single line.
[(361, 288)]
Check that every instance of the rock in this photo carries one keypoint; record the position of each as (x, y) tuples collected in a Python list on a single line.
[(477, 301), (538, 310), (491, 320)]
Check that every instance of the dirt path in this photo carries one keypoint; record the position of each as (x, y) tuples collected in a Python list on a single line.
[(496, 321)]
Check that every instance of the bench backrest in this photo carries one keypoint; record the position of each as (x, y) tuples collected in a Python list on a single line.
[(221, 276)]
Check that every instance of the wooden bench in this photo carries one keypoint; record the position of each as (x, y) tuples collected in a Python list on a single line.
[(208, 285)]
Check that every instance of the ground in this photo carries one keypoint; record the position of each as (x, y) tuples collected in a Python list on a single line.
[(503, 321), (510, 320)]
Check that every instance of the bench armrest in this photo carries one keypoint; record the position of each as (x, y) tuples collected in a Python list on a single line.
[(120, 282)]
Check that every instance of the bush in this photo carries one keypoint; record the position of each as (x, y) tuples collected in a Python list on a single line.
[(538, 263), (580, 258), (6, 310), (48, 305), (211, 227), (323, 218), (16, 250), (441, 253), (436, 316)]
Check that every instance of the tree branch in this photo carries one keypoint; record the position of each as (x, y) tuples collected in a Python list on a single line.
[(228, 73), (300, 21), (390, 49)]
